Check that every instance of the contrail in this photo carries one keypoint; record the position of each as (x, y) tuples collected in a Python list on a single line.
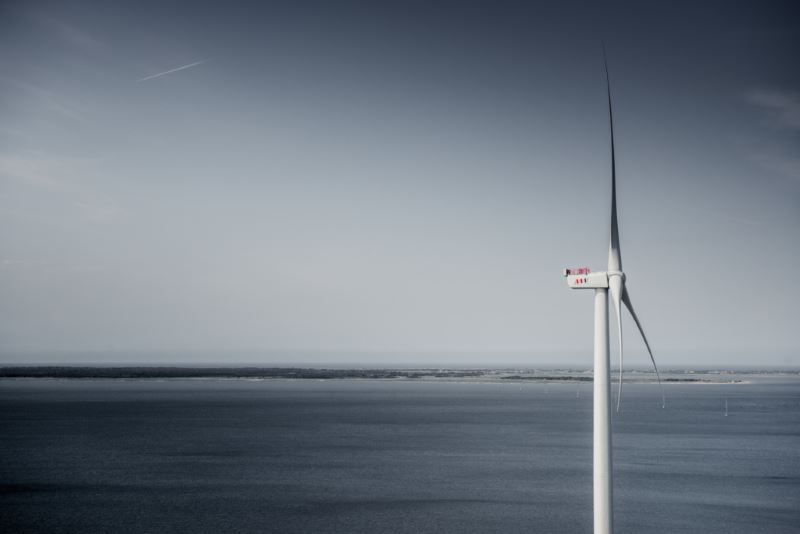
[(190, 65)]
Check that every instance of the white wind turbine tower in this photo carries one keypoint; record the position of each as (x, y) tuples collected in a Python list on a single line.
[(614, 280)]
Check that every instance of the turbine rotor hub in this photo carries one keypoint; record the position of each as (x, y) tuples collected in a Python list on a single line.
[(616, 273)]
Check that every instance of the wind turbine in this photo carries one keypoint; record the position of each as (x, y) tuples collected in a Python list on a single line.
[(612, 280)]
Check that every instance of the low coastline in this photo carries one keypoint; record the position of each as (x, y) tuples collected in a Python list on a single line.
[(309, 373)]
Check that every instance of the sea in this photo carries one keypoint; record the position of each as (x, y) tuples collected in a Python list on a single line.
[(392, 456)]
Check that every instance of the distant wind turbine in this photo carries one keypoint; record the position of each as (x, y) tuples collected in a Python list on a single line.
[(613, 279)]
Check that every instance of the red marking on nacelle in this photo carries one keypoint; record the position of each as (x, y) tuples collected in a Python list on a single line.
[(579, 270)]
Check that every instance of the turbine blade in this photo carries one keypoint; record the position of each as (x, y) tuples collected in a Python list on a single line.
[(614, 253), (617, 288), (626, 298)]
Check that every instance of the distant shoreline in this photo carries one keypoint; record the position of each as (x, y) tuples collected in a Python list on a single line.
[(482, 375)]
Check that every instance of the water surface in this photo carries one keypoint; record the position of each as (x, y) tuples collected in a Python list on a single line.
[(390, 456)]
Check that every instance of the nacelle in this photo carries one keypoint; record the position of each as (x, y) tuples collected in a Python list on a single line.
[(585, 280)]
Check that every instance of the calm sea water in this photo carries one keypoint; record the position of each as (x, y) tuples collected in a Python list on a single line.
[(382, 456)]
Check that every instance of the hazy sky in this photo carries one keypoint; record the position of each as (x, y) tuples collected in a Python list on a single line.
[(364, 177)]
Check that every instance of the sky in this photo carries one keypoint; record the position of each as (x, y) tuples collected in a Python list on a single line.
[(395, 183)]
